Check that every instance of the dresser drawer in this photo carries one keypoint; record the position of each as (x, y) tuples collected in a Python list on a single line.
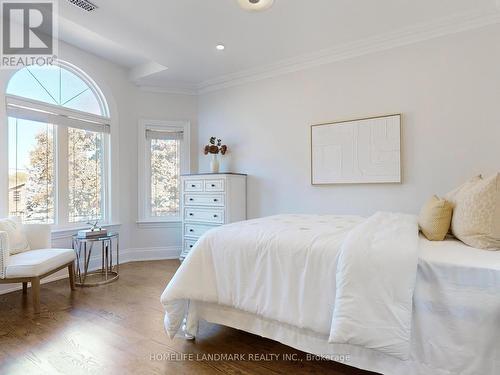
[(214, 185), (213, 200), (204, 214), (188, 245), (193, 185), (196, 230)]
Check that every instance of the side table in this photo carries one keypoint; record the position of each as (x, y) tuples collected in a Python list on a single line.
[(83, 248)]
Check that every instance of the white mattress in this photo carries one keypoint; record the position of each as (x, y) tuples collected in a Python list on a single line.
[(456, 321), (456, 259)]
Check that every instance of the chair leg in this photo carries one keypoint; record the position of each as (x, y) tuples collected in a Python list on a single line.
[(71, 271), (25, 288), (35, 289)]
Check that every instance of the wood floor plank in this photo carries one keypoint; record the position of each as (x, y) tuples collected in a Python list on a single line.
[(118, 329)]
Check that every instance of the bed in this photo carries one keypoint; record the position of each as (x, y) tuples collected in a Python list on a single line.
[(368, 292)]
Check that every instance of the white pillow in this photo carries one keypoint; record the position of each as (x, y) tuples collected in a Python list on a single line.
[(18, 242), (476, 214)]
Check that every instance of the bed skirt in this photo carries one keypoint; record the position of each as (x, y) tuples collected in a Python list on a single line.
[(304, 340)]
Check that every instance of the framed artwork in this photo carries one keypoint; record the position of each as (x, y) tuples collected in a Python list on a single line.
[(361, 151)]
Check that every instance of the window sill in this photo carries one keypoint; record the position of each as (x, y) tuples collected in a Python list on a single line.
[(150, 224), (69, 231)]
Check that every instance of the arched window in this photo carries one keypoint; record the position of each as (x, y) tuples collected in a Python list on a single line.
[(62, 85), (58, 125)]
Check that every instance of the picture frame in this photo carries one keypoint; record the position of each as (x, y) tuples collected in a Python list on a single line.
[(358, 151)]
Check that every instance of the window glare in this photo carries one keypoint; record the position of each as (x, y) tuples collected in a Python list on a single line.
[(165, 174)]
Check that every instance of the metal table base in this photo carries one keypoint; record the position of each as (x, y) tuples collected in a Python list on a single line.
[(108, 272)]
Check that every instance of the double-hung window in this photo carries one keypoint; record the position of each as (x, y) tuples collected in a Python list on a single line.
[(58, 145), (163, 157)]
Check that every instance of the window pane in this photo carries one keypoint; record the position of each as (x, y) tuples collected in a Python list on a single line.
[(76, 94), (31, 171), (24, 84), (47, 77), (55, 85), (71, 85), (85, 172), (84, 101), (165, 171)]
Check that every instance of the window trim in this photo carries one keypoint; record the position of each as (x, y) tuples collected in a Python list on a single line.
[(110, 147), (52, 110), (144, 173)]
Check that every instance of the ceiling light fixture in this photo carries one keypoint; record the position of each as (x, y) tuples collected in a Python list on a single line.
[(255, 5), (220, 47)]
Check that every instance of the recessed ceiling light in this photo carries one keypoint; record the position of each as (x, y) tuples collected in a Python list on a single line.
[(255, 5), (220, 47)]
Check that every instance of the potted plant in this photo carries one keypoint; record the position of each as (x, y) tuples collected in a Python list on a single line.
[(215, 147)]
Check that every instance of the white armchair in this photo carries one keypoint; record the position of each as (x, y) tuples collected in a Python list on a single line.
[(33, 265)]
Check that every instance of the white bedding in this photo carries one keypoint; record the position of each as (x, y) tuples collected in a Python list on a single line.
[(376, 275), (456, 309), (456, 320), (280, 267)]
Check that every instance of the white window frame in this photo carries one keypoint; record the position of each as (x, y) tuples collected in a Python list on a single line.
[(144, 166), (45, 112)]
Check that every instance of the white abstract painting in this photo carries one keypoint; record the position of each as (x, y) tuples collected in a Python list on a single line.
[(358, 151)]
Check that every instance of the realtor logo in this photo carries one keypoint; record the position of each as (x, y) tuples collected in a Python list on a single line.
[(28, 32)]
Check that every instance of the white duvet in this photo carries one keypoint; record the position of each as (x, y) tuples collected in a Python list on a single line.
[(350, 278), (376, 276)]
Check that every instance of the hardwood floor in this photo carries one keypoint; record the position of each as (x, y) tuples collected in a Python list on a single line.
[(118, 329)]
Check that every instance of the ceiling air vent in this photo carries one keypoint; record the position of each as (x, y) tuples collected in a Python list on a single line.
[(84, 4)]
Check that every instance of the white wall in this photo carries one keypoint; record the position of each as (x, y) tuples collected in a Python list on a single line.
[(448, 90), (128, 104), (154, 106)]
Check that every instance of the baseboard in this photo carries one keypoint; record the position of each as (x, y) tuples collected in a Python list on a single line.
[(151, 253), (126, 256)]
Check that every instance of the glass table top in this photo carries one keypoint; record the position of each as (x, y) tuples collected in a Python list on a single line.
[(108, 236)]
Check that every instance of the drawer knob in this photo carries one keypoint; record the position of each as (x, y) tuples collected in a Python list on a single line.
[(193, 185), (215, 215), (190, 246), (216, 200), (191, 230), (191, 214), (191, 199), (213, 185)]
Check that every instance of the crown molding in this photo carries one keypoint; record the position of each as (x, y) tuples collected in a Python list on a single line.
[(172, 90), (410, 35)]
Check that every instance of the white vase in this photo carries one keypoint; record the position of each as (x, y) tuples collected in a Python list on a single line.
[(214, 164)]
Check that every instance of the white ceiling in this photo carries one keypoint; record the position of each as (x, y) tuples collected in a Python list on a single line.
[(148, 35)]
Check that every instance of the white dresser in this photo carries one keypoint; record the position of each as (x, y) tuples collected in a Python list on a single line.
[(208, 201)]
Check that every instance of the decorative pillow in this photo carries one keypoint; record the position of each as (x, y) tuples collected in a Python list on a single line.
[(452, 195), (18, 242), (476, 215), (435, 218)]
